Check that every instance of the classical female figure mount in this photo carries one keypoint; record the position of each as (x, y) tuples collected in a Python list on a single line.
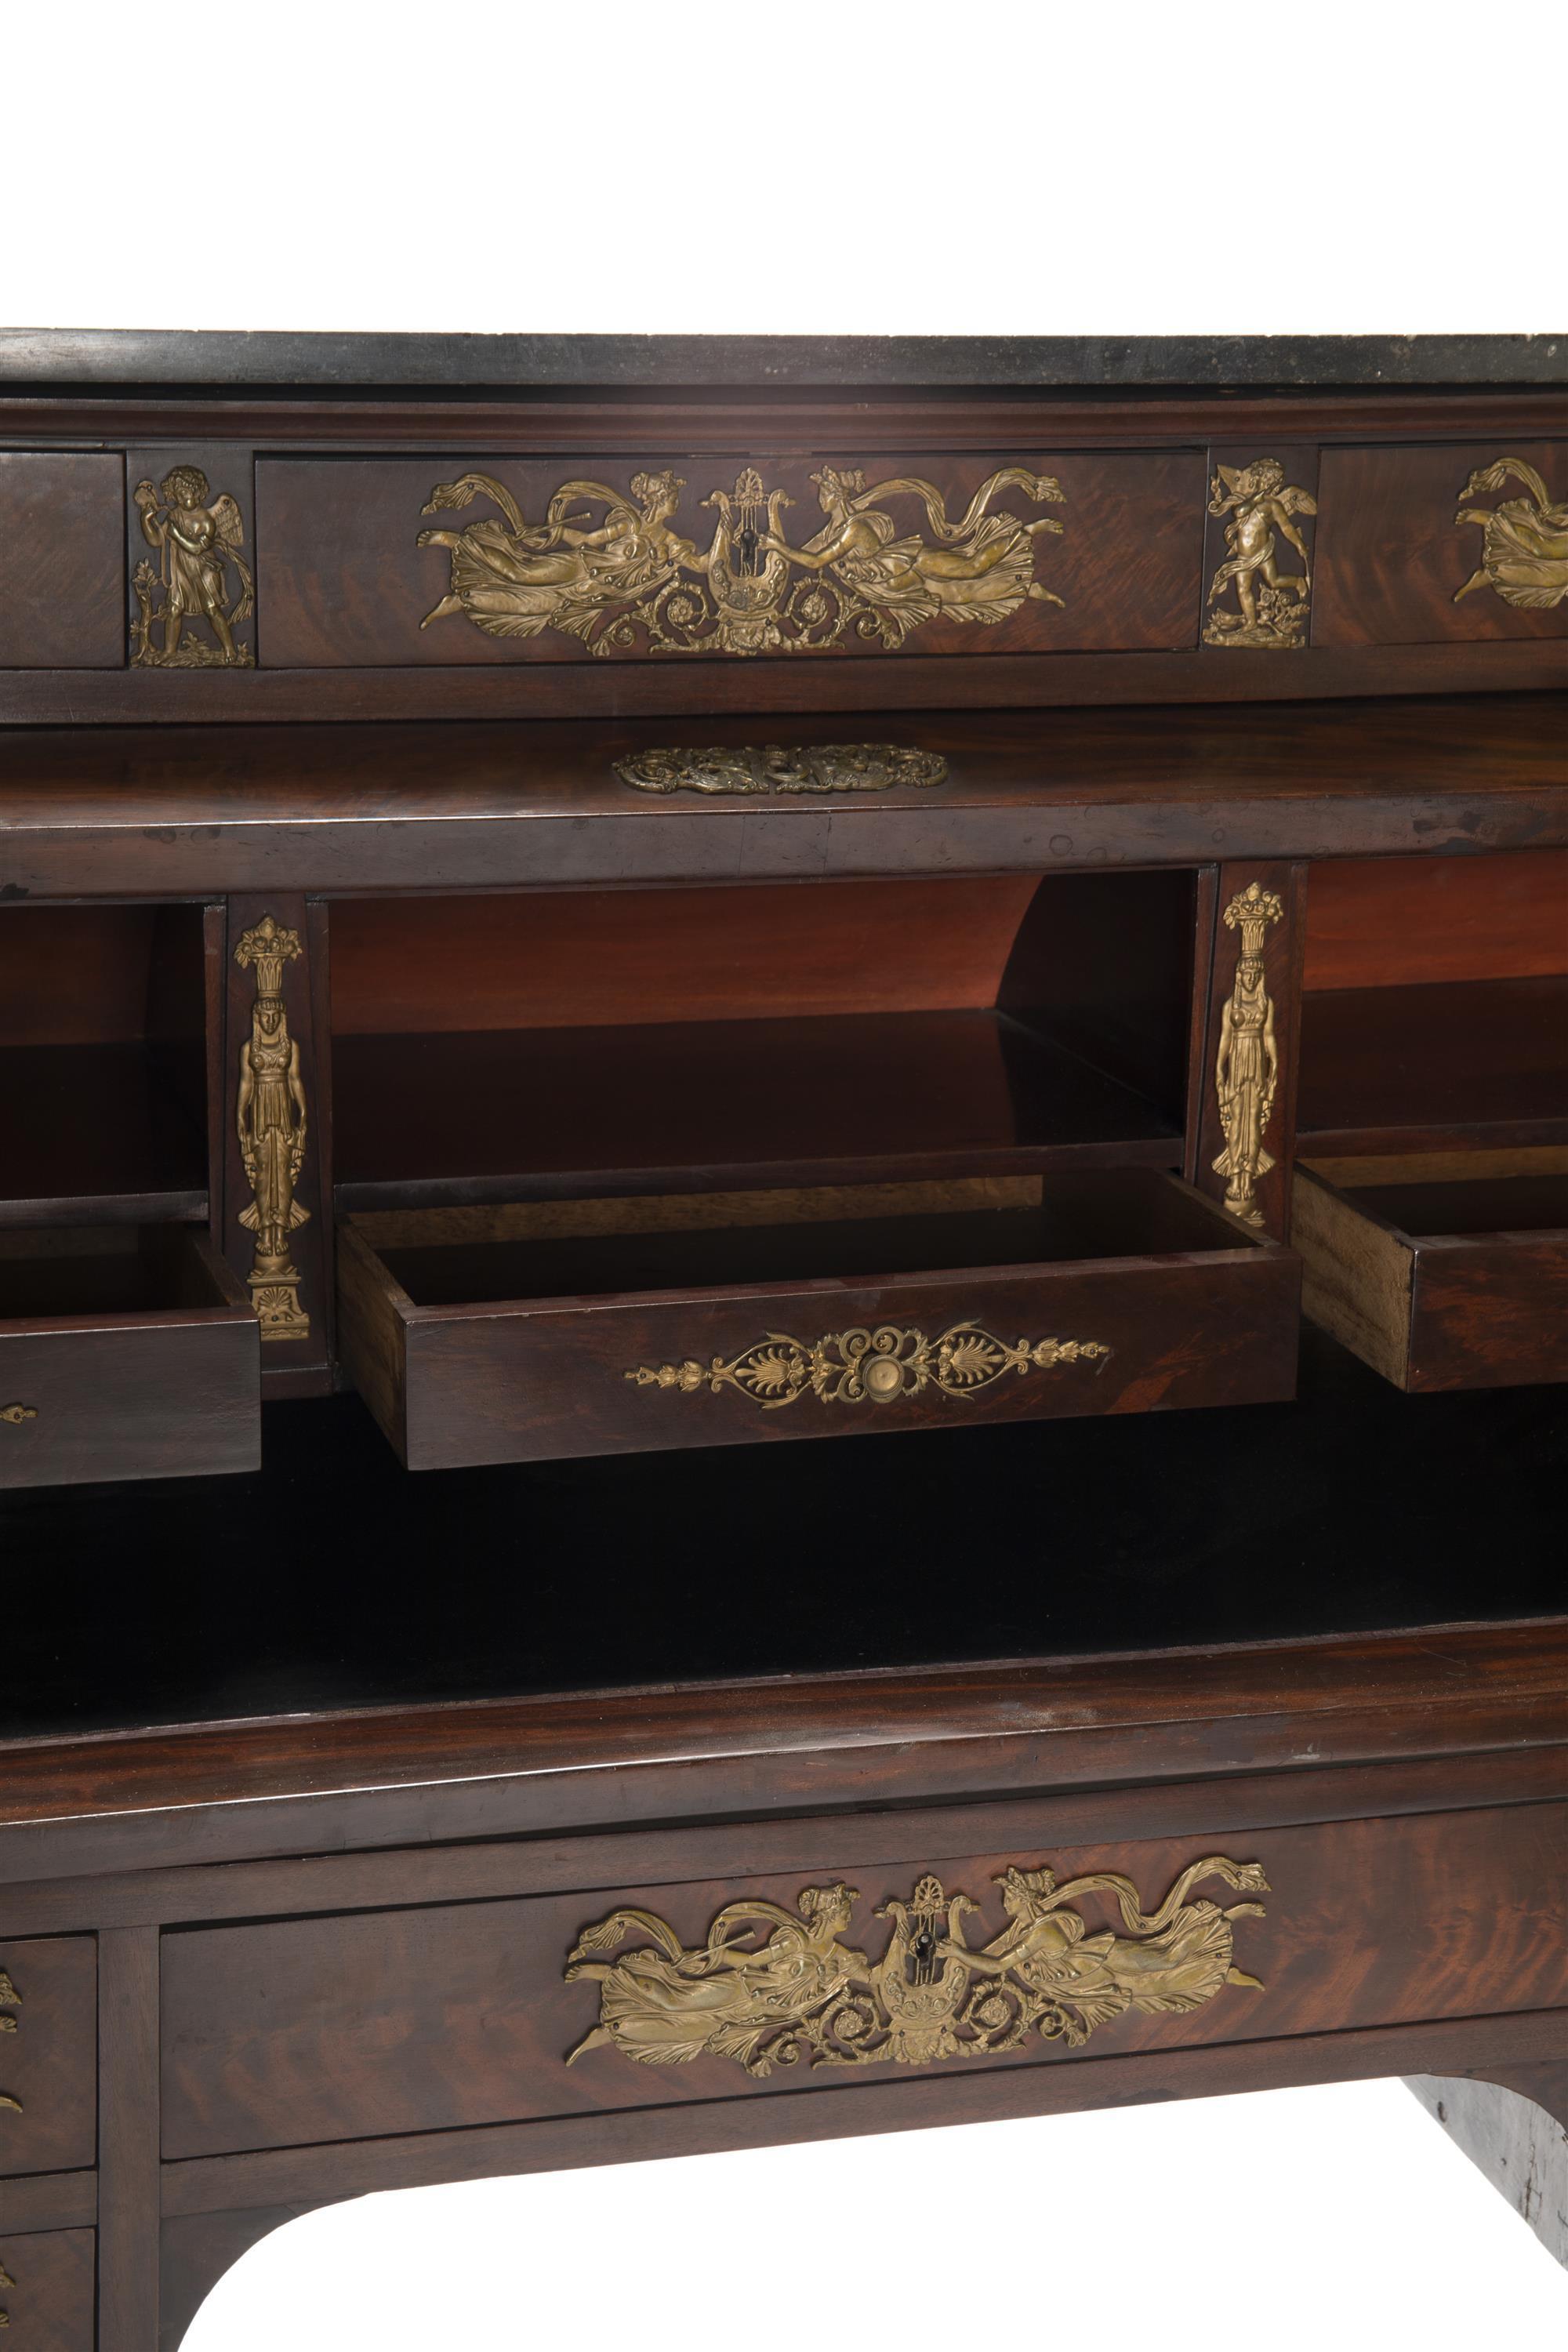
[(930, 1996), (631, 581), (1524, 552), (271, 1118)]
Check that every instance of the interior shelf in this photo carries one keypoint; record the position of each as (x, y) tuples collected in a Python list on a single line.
[(450, 1119), (101, 1134), (1435, 1067)]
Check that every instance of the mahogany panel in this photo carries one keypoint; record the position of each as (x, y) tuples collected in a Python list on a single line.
[(531, 1114), (321, 2029), (344, 582), (1376, 922), (1422, 1067), (1392, 563), (48, 2054), (61, 559), (48, 2299), (590, 959)]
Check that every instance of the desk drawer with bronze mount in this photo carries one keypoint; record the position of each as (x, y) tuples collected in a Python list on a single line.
[(617, 1326), (125, 1352)]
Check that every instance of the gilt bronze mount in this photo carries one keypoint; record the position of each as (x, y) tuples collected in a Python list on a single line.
[(804, 1993)]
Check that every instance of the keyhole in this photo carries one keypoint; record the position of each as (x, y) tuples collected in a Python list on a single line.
[(748, 544)]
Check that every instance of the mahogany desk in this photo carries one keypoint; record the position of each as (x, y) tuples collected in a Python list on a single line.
[(571, 912)]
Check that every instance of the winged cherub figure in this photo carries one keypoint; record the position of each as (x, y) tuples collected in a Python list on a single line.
[(1262, 507), (197, 537)]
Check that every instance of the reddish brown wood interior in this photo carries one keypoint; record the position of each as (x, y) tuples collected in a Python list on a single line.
[(610, 959), (82, 976), (1378, 922)]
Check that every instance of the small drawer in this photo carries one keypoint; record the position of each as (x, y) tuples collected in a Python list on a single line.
[(48, 2054), (125, 1352), (46, 2290), (1441, 1273), (618, 1325)]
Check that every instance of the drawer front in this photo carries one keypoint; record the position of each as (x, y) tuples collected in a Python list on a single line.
[(827, 1359), (1441, 543), (1489, 1313), (47, 2291), (313, 2030), (48, 2054), (467, 559), (62, 579), (153, 1396)]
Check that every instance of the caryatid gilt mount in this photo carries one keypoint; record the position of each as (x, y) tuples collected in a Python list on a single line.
[(611, 567)]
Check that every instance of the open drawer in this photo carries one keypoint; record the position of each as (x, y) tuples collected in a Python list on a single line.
[(621, 1325), (126, 1351), (1441, 1272)]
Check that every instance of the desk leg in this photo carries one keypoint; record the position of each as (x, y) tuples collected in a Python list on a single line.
[(1517, 2132), (128, 2134)]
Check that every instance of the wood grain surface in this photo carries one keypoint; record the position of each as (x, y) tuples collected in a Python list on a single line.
[(61, 559), (50, 2300), (48, 2065), (344, 581), (276, 2035)]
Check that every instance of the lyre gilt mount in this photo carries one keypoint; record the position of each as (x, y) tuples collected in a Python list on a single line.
[(770, 1986)]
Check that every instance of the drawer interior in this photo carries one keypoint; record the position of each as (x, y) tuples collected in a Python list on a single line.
[(1435, 1015), (1485, 1203), (106, 1273), (106, 1020), (583, 1042), (696, 1241)]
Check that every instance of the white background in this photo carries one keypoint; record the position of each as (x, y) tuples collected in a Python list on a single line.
[(1318, 167)]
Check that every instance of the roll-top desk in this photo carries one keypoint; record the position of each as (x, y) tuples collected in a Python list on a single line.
[(573, 912)]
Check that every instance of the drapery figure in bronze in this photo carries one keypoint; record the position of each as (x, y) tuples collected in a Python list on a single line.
[(272, 1121), (1247, 1070), (1524, 550), (980, 568), (197, 538), (1271, 604), (633, 582), (805, 1992)]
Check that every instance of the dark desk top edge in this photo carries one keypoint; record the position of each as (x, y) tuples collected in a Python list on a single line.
[(83, 357), (1439, 1670)]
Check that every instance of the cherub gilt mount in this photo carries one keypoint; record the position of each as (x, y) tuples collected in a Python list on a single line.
[(611, 568), (770, 1986), (188, 611), (1254, 601)]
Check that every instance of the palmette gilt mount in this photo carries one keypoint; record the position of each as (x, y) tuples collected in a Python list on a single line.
[(1524, 543), (804, 1993), (810, 768), (867, 1366), (272, 1120), (610, 568)]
